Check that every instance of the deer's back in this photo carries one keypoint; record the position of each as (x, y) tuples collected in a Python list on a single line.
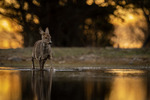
[(41, 50)]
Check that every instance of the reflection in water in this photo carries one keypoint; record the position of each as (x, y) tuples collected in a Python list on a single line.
[(123, 86), (10, 85), (18, 84), (101, 85), (128, 89), (41, 87), (123, 72), (116, 84), (95, 90)]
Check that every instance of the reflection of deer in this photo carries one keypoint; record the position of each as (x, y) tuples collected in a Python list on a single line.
[(42, 49), (42, 84)]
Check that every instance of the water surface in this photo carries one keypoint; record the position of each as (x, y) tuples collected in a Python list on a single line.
[(74, 84)]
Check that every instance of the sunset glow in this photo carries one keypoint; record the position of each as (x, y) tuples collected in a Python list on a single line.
[(5, 24), (131, 17), (9, 34), (128, 33), (10, 86), (126, 89), (123, 86), (128, 26)]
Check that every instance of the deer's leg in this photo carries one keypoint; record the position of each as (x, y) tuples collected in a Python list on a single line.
[(33, 63), (40, 63), (43, 62)]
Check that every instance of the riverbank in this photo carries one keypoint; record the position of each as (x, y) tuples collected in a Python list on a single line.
[(79, 57)]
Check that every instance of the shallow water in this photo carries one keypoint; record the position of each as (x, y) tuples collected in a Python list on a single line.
[(74, 84)]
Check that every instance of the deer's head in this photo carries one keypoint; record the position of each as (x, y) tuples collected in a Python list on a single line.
[(46, 37)]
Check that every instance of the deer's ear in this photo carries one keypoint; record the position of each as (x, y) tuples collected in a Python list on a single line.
[(41, 31), (47, 30)]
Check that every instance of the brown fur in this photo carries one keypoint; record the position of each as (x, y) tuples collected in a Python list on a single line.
[(42, 49)]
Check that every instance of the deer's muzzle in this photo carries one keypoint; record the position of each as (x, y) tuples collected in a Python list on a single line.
[(50, 42)]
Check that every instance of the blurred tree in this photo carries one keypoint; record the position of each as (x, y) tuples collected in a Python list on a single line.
[(144, 5), (22, 12), (65, 18)]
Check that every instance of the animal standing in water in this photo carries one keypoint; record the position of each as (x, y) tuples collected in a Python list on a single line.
[(42, 49)]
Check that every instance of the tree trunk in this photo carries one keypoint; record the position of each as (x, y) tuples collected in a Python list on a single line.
[(147, 34), (147, 40)]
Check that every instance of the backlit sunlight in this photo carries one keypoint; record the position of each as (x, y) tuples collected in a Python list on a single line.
[(10, 86), (128, 28), (124, 88), (131, 17), (9, 34), (90, 2)]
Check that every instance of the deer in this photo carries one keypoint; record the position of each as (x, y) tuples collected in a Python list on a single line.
[(42, 49)]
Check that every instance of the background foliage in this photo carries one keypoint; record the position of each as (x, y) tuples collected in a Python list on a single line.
[(71, 22)]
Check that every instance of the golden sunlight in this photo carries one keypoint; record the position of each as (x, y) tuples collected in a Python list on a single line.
[(126, 88), (123, 72), (5, 24), (90, 2), (9, 34), (122, 86), (36, 2), (130, 16), (10, 86), (128, 33)]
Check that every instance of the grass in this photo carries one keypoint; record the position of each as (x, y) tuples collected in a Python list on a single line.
[(75, 56)]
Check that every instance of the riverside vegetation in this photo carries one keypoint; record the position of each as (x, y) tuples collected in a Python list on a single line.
[(79, 57)]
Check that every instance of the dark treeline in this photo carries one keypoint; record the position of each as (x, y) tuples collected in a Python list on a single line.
[(71, 22)]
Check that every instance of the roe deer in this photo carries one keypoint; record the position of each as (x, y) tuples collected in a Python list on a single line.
[(42, 49)]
